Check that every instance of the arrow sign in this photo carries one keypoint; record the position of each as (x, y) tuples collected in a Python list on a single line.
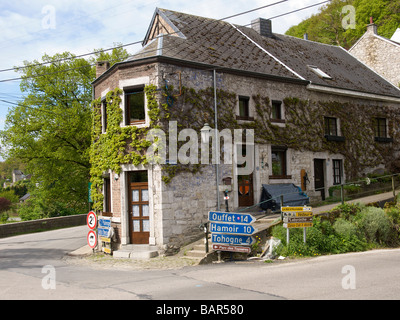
[(232, 239), (231, 217), (232, 228)]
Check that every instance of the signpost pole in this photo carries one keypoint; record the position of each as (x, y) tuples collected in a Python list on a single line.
[(287, 236), (305, 234)]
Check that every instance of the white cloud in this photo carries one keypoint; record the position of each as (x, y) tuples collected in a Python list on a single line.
[(84, 25)]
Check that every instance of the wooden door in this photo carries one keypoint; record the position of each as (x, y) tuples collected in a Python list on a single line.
[(245, 182), (246, 191), (319, 176), (139, 211)]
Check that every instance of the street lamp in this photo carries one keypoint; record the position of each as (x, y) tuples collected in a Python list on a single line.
[(205, 138), (205, 133)]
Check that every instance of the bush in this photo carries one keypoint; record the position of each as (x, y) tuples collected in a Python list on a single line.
[(5, 204), (376, 226), (345, 228)]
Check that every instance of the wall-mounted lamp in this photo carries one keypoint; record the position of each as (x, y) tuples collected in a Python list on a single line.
[(205, 133), (116, 177)]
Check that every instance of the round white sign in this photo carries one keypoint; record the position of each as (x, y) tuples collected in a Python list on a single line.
[(91, 220), (92, 239)]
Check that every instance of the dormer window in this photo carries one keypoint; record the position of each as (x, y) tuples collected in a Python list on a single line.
[(320, 73)]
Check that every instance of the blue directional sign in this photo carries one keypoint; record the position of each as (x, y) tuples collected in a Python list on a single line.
[(231, 217), (232, 239), (103, 232), (232, 228), (104, 223)]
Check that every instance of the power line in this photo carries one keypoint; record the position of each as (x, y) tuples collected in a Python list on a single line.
[(130, 44), (166, 48), (138, 42)]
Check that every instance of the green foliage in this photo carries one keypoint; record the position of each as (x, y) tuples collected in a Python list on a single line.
[(50, 130), (376, 225), (9, 195), (347, 228), (40, 207), (326, 26), (119, 145)]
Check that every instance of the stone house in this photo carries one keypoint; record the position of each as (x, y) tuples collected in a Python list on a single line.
[(289, 109), (379, 53)]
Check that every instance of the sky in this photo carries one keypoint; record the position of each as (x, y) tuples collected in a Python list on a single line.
[(32, 28)]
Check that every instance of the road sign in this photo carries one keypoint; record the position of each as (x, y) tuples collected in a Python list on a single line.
[(300, 209), (232, 239), (91, 220), (297, 219), (298, 225), (231, 217), (92, 239), (104, 232), (220, 247), (232, 228), (104, 222)]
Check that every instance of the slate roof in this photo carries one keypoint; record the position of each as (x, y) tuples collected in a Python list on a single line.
[(221, 44)]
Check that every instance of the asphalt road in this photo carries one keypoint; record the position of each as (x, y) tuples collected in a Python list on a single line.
[(34, 267)]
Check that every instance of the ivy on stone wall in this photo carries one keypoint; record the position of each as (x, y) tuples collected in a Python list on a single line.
[(119, 145), (303, 130)]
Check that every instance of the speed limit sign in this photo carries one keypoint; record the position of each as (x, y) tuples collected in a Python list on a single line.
[(92, 239), (91, 220)]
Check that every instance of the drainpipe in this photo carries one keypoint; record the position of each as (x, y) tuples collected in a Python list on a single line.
[(217, 155)]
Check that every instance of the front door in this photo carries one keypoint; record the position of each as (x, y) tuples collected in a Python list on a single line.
[(139, 216), (246, 193), (245, 182), (319, 176)]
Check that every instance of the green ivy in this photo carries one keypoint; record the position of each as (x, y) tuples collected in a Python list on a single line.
[(303, 130)]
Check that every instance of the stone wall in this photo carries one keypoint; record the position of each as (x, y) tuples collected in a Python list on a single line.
[(178, 208), (12, 229), (380, 54)]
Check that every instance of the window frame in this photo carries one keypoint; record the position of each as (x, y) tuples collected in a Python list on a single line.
[(328, 121), (378, 126), (283, 163), (280, 116), (337, 166), (246, 115), (104, 121), (128, 92)]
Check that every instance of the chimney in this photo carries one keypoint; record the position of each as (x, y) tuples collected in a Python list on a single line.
[(263, 27), (305, 36), (372, 27), (101, 67)]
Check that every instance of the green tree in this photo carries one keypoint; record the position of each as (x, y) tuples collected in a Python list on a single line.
[(50, 130), (326, 26)]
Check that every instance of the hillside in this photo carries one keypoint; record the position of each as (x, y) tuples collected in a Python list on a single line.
[(326, 26)]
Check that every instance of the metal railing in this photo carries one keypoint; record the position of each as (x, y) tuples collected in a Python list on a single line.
[(344, 192)]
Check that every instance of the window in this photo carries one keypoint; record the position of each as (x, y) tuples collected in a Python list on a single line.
[(279, 163), (381, 132), (332, 130), (107, 195), (276, 110), (337, 172), (135, 106), (104, 116), (331, 127), (380, 128), (244, 109), (320, 73)]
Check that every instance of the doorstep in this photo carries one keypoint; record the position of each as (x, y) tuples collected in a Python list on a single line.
[(136, 252)]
